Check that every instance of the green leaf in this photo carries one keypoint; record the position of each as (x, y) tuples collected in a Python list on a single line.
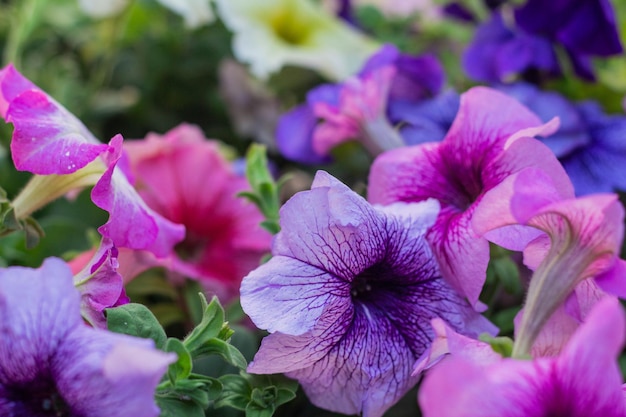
[(181, 369), (177, 407), (501, 345), (236, 392), (136, 320), (508, 273), (212, 386), (227, 351), (208, 328)]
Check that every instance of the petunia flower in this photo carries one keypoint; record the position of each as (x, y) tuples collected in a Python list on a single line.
[(589, 143), (503, 48), (99, 283), (53, 144), (490, 139), (51, 363), (582, 239), (223, 240), (352, 289), (274, 33), (583, 381), (390, 89)]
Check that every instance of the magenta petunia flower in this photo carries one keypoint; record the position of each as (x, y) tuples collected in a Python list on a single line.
[(581, 239), (52, 364), (49, 140), (489, 140), (223, 240), (583, 381), (99, 283), (348, 297)]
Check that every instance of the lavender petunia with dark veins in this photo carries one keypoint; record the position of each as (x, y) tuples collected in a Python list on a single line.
[(53, 365), (348, 297)]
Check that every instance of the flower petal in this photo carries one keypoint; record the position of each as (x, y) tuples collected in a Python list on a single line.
[(299, 293), (342, 236), (132, 223)]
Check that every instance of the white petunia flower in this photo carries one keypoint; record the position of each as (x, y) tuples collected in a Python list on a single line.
[(195, 12), (269, 34)]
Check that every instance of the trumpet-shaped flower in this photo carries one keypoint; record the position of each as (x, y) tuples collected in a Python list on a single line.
[(274, 33), (490, 139), (52, 364), (223, 241), (583, 381), (582, 240), (352, 289), (49, 140)]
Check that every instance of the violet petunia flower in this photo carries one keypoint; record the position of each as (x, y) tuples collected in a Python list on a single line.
[(490, 139), (352, 289), (589, 143), (52, 364), (223, 240), (584, 380), (359, 108), (503, 47), (49, 140)]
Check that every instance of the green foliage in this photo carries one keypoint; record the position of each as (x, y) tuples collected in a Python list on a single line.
[(265, 191), (136, 320), (500, 345)]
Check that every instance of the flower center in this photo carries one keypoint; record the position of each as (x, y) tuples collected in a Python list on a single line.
[(291, 27), (365, 284), (40, 399)]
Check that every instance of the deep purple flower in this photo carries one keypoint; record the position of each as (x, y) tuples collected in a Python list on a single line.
[(351, 290), (359, 108), (589, 143), (584, 28), (490, 139), (52, 364), (583, 381)]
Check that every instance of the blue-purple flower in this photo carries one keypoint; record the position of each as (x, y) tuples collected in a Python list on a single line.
[(361, 108), (348, 297), (52, 364), (504, 47), (590, 144)]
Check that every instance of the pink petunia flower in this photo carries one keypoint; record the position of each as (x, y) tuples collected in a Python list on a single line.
[(184, 177), (584, 380), (49, 141), (581, 238), (490, 140)]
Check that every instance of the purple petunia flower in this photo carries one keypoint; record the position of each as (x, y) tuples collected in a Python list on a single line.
[(584, 28), (52, 364), (590, 144), (49, 140), (352, 289), (583, 381), (490, 139), (359, 108)]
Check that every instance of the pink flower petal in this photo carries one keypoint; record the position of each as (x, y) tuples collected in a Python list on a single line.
[(132, 223)]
